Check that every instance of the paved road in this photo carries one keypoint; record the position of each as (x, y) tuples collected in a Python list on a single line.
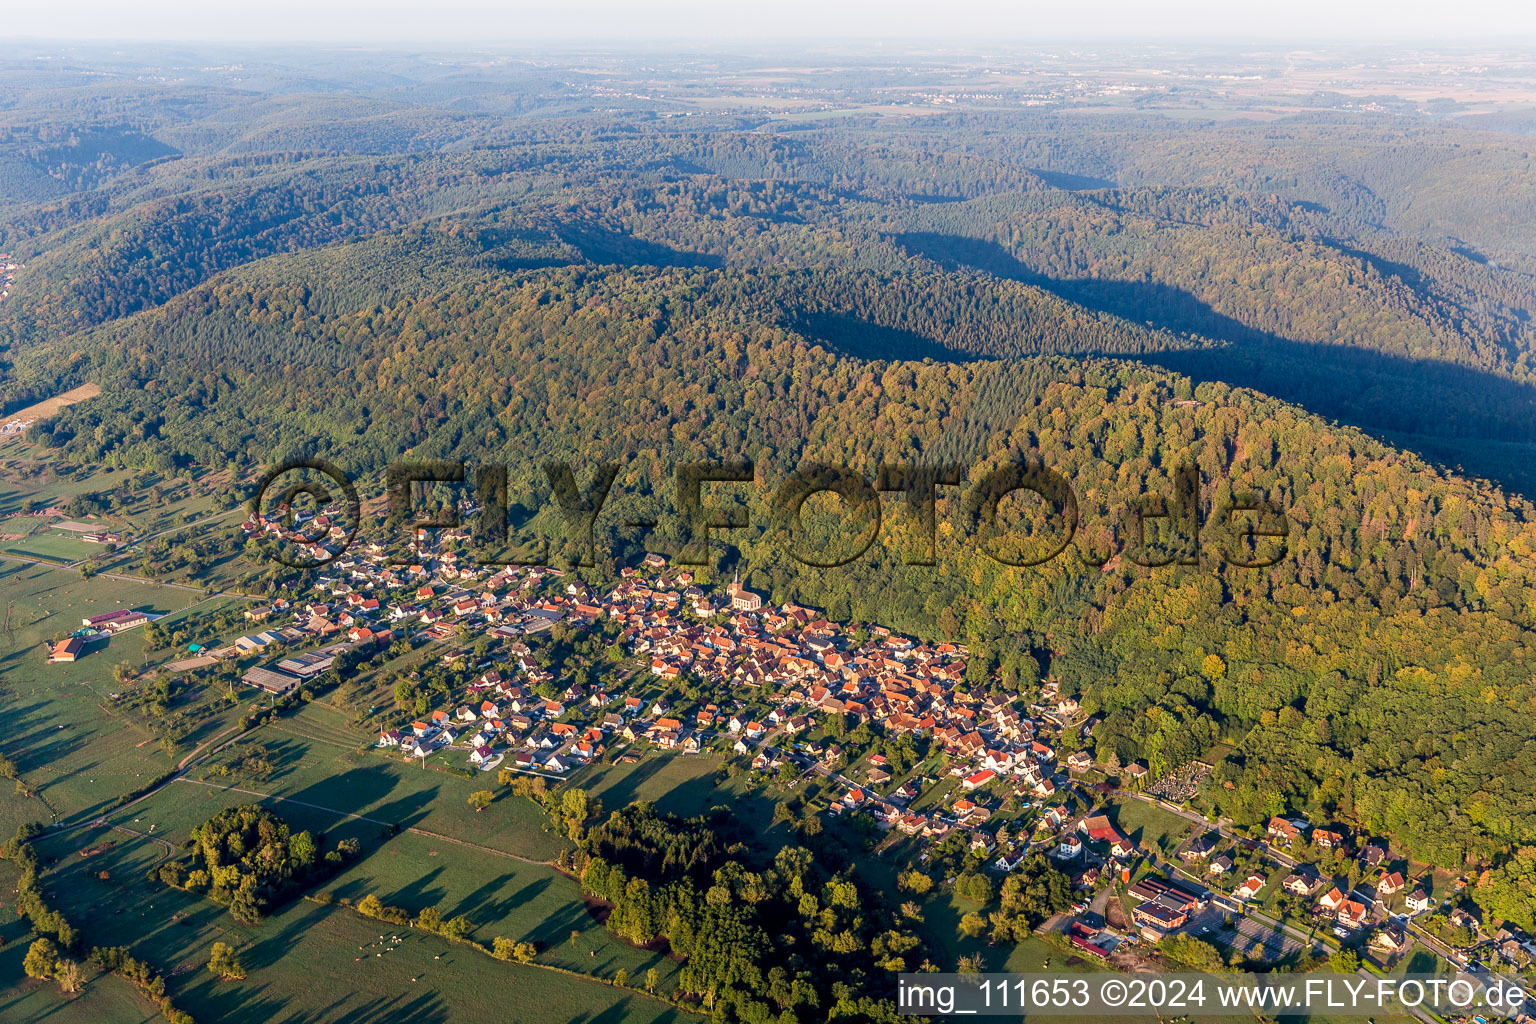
[(1434, 945)]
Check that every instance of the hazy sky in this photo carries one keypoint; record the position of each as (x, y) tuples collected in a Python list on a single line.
[(808, 21)]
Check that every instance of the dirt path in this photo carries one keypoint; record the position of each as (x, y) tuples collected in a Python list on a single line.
[(184, 762)]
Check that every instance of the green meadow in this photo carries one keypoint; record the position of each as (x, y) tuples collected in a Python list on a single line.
[(75, 748), (306, 963)]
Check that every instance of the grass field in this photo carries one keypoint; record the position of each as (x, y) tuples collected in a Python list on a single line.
[(676, 783), (46, 543), (319, 763), (303, 967), (75, 750), (143, 502), (525, 902), (502, 896), (682, 784), (1150, 827), (105, 1000), (307, 963), (46, 602)]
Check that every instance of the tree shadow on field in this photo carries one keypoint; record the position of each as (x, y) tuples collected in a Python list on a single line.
[(488, 904), (419, 893), (247, 1003), (352, 791), (626, 791), (619, 1012), (409, 810)]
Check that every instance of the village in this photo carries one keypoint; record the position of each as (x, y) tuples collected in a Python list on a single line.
[(1010, 775)]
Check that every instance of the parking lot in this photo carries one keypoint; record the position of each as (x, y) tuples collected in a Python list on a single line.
[(1249, 936)]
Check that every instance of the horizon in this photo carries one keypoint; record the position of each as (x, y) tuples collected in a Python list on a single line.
[(479, 23)]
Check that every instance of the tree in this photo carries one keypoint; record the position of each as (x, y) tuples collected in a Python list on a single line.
[(303, 850), (621, 978), (974, 887), (224, 963), (651, 978), (570, 812), (1344, 961), (972, 925), (249, 859), (524, 952), (70, 975), (41, 960), (1509, 891), (1192, 952), (481, 800)]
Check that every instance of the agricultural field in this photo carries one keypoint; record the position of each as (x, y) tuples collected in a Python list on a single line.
[(322, 760), (57, 404), (132, 503), (308, 962), (74, 747), (503, 897)]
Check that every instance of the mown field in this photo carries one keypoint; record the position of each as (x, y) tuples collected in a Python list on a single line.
[(322, 760), (503, 897), (73, 748), (306, 963), (143, 502), (42, 540), (1151, 827)]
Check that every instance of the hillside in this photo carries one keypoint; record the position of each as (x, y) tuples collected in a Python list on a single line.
[(515, 263), (1388, 647)]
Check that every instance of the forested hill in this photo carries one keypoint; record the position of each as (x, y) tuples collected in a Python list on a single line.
[(611, 261), (1378, 670), (1425, 342)]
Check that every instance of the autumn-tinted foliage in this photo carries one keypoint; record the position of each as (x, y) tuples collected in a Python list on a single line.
[(246, 857)]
